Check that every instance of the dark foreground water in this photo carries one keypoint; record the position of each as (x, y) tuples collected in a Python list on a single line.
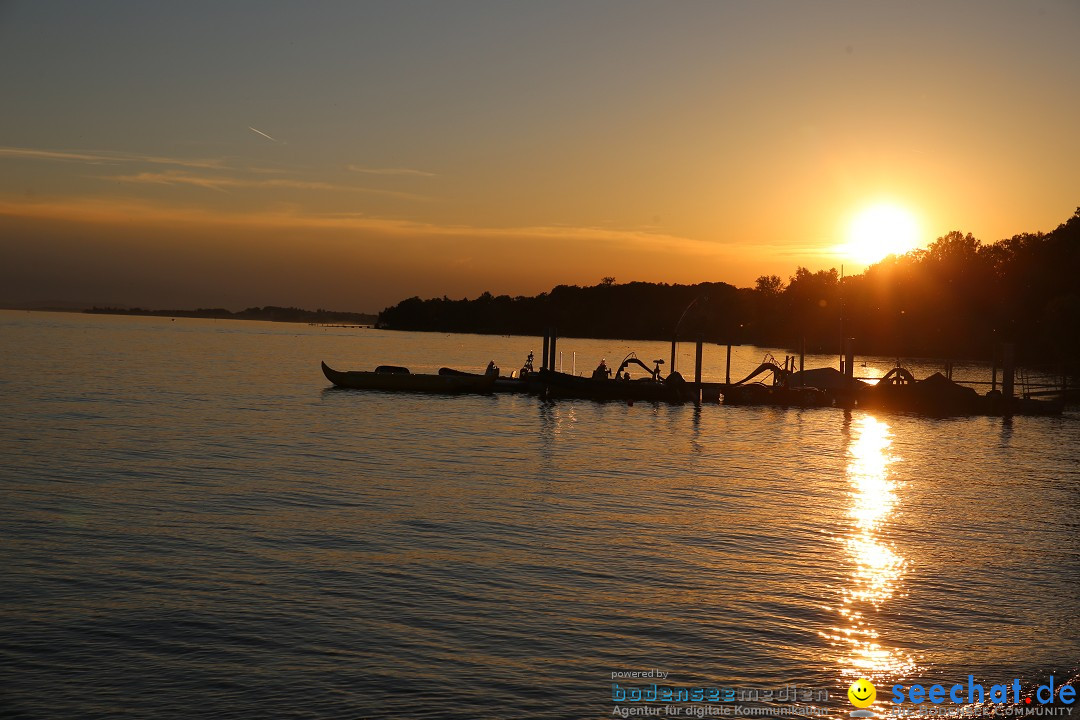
[(194, 525)]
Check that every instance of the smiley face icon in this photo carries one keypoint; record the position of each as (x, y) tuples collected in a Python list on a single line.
[(862, 693)]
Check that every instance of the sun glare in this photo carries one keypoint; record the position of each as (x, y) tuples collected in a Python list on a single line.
[(879, 231)]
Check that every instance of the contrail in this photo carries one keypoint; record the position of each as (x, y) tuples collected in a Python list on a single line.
[(262, 133)]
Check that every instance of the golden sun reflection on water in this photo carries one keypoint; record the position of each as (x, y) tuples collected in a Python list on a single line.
[(877, 570)]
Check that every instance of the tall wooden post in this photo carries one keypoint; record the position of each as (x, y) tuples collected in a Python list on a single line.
[(1008, 370), (544, 359), (802, 361), (727, 372), (697, 371), (671, 367), (849, 357), (993, 370), (554, 338)]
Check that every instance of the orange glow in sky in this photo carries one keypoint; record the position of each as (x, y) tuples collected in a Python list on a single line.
[(348, 156)]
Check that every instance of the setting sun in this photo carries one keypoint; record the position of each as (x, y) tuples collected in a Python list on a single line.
[(879, 231)]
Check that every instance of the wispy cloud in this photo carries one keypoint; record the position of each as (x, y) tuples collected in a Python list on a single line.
[(175, 178), (102, 157), (389, 171), (217, 181), (224, 183), (205, 164), (32, 154), (125, 210)]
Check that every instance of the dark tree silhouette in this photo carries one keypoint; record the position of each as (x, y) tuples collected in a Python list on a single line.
[(957, 298)]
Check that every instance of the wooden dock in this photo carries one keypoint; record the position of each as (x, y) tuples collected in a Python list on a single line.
[(936, 395)]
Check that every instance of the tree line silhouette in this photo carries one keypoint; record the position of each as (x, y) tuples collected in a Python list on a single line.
[(957, 298)]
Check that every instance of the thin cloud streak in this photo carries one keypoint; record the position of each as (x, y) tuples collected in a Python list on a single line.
[(101, 157), (217, 183), (224, 183), (32, 154), (173, 178), (389, 171), (263, 134)]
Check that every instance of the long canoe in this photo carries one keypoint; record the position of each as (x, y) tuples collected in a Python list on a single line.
[(398, 381), (528, 384)]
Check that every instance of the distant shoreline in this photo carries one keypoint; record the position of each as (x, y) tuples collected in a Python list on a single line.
[(268, 313)]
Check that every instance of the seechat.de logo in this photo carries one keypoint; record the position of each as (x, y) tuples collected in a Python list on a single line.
[(974, 692)]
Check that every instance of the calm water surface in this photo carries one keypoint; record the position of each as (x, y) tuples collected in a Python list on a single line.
[(195, 525)]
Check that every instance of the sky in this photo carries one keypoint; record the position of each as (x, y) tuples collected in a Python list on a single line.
[(347, 155)]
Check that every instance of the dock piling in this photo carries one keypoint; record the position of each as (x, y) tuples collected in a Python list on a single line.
[(727, 372), (554, 339), (697, 371), (1008, 371), (993, 370), (802, 360), (849, 358), (544, 357), (697, 362)]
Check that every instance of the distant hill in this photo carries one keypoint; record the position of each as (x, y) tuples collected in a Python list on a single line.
[(269, 312)]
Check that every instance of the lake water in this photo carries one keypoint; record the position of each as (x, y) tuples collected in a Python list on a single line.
[(195, 525)]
